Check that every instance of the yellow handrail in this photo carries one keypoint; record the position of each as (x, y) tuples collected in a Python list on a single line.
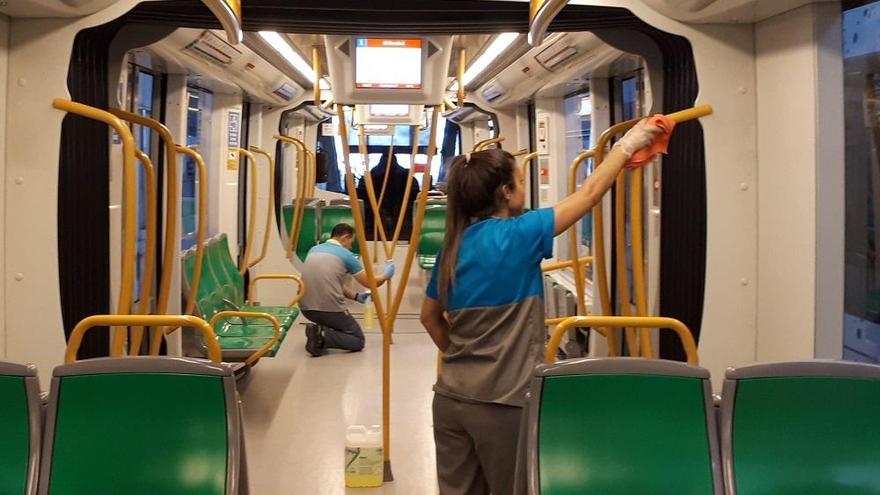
[(584, 260), (277, 276), (598, 218), (270, 206), (129, 209), (486, 142), (252, 216), (313, 172), (172, 189), (687, 339), (253, 358), (296, 219), (137, 333), (316, 67), (143, 320)]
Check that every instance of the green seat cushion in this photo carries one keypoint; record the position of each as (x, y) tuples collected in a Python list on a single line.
[(623, 434), (140, 434), (15, 435), (811, 434), (427, 262), (248, 344)]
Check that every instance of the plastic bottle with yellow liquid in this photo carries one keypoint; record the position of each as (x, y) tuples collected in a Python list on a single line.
[(364, 456), (369, 314)]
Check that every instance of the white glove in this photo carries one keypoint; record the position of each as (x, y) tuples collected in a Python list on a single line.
[(640, 136)]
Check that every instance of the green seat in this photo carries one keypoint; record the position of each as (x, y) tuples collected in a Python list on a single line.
[(20, 420), (221, 289), (143, 425), (310, 228), (333, 215), (802, 427), (621, 426), (431, 235)]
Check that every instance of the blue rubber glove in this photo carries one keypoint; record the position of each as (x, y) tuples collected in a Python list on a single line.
[(362, 297), (389, 269)]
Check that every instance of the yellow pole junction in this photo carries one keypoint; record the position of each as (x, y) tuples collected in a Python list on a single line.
[(299, 204), (252, 216), (172, 193), (270, 204), (386, 319), (129, 209), (601, 275), (137, 333), (143, 320)]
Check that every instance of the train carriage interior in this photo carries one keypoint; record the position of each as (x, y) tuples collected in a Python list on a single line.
[(711, 325)]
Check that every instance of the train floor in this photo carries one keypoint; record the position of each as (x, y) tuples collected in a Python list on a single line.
[(297, 408)]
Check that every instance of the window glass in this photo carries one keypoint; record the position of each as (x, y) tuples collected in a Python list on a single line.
[(861, 66)]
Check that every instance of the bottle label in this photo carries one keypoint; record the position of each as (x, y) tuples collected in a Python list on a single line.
[(364, 461)]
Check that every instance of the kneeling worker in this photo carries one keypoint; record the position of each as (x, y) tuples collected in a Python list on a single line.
[(325, 274)]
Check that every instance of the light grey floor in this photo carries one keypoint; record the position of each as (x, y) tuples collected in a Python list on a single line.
[(297, 409)]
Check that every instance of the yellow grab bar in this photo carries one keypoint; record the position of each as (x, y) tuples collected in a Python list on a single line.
[(583, 260), (143, 320), (129, 209), (299, 206), (244, 314), (137, 333), (687, 339), (172, 189), (277, 276), (486, 142), (598, 219), (270, 206), (252, 216)]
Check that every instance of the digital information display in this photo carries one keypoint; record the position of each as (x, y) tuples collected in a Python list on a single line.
[(385, 63)]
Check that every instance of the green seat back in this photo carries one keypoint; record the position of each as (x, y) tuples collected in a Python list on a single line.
[(430, 243), (333, 215), (140, 434), (15, 432), (623, 434), (216, 267), (806, 434), (309, 231)]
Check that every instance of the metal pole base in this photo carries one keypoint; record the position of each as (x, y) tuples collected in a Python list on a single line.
[(389, 476)]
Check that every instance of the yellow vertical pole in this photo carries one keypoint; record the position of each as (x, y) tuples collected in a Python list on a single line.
[(462, 61), (270, 203), (137, 333), (638, 257), (156, 341), (371, 191), (374, 289), (404, 209), (577, 267), (620, 255), (316, 66), (252, 216)]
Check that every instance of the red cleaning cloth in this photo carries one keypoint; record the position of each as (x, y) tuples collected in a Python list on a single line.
[(644, 156)]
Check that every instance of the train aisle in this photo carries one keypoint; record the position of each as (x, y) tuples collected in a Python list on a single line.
[(297, 408)]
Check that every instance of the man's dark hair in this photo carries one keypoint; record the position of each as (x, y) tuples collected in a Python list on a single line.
[(342, 229)]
